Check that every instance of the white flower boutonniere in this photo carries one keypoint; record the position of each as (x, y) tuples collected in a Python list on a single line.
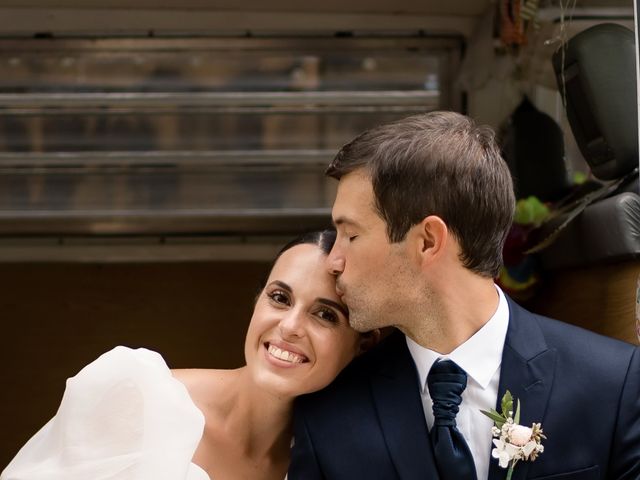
[(513, 442)]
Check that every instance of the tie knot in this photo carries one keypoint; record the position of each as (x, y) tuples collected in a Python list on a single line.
[(446, 382)]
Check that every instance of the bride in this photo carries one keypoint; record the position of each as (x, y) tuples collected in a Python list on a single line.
[(126, 416)]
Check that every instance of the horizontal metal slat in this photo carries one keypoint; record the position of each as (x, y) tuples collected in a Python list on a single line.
[(219, 99)]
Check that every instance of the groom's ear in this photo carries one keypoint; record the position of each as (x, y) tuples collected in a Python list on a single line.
[(369, 340), (432, 237)]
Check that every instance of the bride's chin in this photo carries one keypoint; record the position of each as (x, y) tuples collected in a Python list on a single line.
[(279, 378), (276, 386)]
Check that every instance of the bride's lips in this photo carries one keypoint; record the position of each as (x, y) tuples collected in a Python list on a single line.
[(283, 354)]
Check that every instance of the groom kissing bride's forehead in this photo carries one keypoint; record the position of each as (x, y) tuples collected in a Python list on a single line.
[(422, 211)]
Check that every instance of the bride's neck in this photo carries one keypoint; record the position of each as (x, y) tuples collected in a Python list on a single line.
[(259, 421)]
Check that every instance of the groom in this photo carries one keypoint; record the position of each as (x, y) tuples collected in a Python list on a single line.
[(422, 210)]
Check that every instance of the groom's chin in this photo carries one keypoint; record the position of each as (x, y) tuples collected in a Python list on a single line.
[(361, 323)]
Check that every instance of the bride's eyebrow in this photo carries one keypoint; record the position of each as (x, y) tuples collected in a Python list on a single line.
[(331, 303), (282, 285)]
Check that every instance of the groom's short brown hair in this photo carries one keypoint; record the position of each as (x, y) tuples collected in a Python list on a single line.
[(439, 163)]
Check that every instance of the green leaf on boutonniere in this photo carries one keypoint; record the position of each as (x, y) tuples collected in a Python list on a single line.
[(495, 416), (507, 404), (516, 418)]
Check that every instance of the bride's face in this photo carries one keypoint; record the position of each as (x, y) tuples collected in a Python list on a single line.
[(299, 337)]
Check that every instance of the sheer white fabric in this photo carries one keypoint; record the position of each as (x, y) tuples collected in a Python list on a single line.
[(122, 417)]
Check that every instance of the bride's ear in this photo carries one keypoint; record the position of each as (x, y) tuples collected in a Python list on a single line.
[(369, 340)]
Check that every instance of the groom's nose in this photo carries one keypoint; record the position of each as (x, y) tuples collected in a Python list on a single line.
[(335, 262)]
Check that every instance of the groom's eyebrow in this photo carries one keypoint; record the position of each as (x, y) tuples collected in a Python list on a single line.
[(344, 221)]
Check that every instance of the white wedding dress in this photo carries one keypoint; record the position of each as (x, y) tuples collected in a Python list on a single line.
[(122, 417)]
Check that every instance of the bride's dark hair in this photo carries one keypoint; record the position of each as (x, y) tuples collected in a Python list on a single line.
[(324, 239)]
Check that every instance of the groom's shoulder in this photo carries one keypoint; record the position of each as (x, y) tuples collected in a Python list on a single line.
[(557, 331), (571, 341)]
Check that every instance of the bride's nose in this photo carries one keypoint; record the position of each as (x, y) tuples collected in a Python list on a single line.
[(292, 324)]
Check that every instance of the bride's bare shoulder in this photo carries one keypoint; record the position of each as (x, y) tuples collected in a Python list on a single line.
[(203, 384)]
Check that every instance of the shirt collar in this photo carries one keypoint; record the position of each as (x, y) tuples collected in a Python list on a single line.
[(480, 356)]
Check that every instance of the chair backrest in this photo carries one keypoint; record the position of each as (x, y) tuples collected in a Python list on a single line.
[(598, 83)]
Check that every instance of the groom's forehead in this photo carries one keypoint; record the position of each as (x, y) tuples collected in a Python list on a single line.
[(354, 197), (356, 183)]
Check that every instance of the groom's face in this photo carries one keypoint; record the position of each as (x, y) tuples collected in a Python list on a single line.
[(375, 278)]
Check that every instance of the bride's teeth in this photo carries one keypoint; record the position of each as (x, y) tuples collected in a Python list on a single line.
[(285, 355)]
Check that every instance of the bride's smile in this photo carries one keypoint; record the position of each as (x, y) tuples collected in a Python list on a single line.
[(285, 354)]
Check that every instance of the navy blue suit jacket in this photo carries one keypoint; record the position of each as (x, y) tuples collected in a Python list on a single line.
[(582, 387)]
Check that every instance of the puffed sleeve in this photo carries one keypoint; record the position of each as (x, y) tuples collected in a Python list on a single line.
[(122, 417)]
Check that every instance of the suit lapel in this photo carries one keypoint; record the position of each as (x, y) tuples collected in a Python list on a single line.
[(396, 394), (527, 371)]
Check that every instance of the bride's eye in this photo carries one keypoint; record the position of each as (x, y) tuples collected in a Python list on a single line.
[(279, 297), (328, 315)]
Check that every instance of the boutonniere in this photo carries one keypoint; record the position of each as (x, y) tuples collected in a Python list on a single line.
[(513, 442)]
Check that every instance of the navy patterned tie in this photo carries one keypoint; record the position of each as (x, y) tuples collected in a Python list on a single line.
[(446, 382)]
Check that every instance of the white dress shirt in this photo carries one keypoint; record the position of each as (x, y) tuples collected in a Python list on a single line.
[(480, 356)]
